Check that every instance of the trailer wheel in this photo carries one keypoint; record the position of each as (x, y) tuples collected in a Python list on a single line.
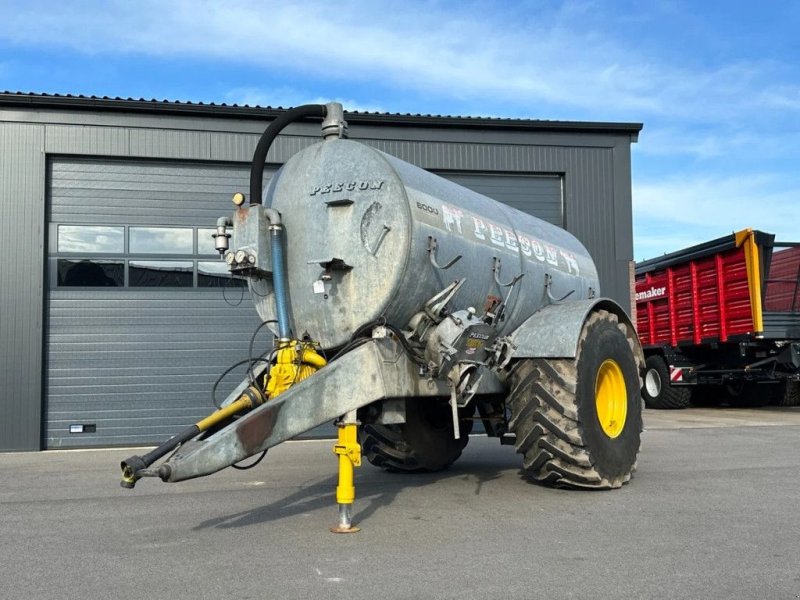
[(424, 442), (790, 395), (578, 421), (657, 391)]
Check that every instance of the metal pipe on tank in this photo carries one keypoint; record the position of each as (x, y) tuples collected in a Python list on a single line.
[(279, 281)]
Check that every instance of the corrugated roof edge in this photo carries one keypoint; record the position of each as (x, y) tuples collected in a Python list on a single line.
[(105, 103)]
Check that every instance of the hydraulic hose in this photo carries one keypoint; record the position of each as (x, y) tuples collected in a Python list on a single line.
[(269, 135), (279, 282)]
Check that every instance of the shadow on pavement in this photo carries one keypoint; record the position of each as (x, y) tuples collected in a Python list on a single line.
[(376, 489)]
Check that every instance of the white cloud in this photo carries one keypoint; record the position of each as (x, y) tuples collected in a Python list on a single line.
[(680, 211), (675, 140), (665, 141), (782, 97), (506, 55)]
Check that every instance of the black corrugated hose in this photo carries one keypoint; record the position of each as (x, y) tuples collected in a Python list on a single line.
[(269, 135)]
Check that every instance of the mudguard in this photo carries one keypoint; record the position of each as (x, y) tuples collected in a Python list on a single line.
[(554, 331)]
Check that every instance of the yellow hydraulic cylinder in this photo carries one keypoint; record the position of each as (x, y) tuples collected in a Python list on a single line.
[(349, 452)]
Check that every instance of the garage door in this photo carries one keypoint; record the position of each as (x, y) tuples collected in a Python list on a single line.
[(537, 195), (142, 316)]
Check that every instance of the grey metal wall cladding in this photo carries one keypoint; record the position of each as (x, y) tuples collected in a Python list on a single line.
[(136, 365), (139, 365), (539, 196), (22, 220), (122, 192)]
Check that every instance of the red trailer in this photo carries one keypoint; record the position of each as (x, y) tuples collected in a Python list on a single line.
[(720, 322)]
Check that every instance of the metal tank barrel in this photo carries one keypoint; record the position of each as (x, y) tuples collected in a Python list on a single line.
[(370, 236)]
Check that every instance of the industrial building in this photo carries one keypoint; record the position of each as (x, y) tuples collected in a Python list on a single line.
[(117, 316)]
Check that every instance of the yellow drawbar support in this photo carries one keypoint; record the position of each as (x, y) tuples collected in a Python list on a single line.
[(349, 452), (294, 362), (753, 264)]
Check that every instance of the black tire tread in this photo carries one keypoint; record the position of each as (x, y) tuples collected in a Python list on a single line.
[(545, 419), (791, 394), (392, 448), (384, 447)]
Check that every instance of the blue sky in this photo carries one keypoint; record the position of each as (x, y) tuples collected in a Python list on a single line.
[(716, 84)]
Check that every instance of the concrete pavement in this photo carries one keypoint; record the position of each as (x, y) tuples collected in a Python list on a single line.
[(711, 513)]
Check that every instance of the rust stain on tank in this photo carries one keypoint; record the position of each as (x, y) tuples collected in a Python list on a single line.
[(256, 428)]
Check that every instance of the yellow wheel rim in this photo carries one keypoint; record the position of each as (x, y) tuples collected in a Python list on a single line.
[(611, 398)]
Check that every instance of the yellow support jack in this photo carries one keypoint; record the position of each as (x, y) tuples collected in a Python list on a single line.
[(349, 452)]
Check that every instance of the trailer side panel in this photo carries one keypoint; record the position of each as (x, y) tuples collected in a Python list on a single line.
[(704, 299)]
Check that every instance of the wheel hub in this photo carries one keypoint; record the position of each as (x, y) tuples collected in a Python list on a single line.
[(652, 383), (611, 398)]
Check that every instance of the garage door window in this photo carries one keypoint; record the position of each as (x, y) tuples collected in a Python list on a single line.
[(216, 274), (90, 273), (94, 239), (136, 257), (161, 240), (160, 273)]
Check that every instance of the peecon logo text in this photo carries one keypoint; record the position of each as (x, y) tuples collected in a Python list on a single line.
[(653, 292)]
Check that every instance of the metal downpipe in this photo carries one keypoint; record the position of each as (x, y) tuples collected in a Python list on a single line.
[(279, 283)]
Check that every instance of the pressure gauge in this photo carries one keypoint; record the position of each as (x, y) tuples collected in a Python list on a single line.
[(238, 198), (241, 256), (229, 258)]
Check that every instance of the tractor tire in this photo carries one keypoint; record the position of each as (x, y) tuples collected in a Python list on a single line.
[(657, 390), (578, 422), (424, 443)]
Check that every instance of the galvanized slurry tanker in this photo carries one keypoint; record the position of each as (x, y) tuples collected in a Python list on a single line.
[(434, 303)]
